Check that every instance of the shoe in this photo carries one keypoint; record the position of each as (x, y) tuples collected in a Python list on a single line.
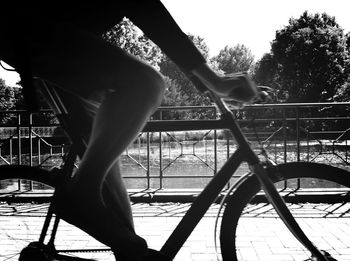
[(96, 222)]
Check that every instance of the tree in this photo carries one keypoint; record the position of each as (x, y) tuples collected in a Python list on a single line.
[(347, 38), (190, 95), (265, 70), (131, 39), (310, 58), (7, 97), (343, 93), (234, 59), (8, 100), (265, 73)]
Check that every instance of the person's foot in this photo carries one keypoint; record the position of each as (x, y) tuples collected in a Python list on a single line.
[(89, 213)]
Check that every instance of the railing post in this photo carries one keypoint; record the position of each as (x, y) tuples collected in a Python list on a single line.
[(30, 146), (215, 153), (148, 160), (11, 151), (285, 134), (297, 117), (284, 115), (297, 123), (19, 152), (30, 139), (160, 162), (39, 151), (19, 147)]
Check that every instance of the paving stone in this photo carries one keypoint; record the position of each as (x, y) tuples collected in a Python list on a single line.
[(262, 236)]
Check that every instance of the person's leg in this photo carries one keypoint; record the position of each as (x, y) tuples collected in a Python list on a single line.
[(120, 118), (82, 114), (81, 63), (114, 194)]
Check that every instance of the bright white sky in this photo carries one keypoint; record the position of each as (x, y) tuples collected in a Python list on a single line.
[(249, 22)]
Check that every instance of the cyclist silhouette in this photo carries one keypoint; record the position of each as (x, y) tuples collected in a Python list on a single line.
[(63, 46)]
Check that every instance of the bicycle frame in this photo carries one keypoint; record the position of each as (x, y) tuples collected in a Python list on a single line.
[(244, 153)]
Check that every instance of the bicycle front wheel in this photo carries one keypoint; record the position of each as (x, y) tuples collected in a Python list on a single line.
[(318, 196), (25, 194)]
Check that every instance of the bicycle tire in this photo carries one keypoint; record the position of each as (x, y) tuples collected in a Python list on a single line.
[(250, 190), (21, 222)]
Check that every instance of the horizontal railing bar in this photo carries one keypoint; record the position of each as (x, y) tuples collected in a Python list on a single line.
[(155, 122), (310, 104), (173, 176), (294, 118), (270, 105), (183, 108), (183, 125)]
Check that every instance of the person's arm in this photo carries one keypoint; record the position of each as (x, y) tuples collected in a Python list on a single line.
[(157, 23)]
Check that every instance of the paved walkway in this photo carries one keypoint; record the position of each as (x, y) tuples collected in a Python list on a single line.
[(261, 235)]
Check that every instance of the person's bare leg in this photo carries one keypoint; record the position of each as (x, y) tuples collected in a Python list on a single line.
[(84, 64), (114, 195), (119, 119), (82, 114)]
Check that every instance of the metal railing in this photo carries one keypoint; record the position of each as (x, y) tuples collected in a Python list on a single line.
[(185, 153)]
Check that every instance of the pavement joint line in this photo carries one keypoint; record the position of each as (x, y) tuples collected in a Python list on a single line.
[(155, 222)]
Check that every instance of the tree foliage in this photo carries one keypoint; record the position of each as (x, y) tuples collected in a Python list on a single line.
[(10, 99), (7, 97), (181, 91), (168, 68), (129, 38), (343, 93), (308, 60), (234, 59), (347, 39)]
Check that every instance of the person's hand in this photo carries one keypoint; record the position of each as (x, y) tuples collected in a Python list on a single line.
[(263, 96), (237, 87)]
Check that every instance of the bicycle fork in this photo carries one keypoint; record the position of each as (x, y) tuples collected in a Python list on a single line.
[(271, 192), (282, 210)]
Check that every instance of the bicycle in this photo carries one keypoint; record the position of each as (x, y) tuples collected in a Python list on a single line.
[(263, 177)]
